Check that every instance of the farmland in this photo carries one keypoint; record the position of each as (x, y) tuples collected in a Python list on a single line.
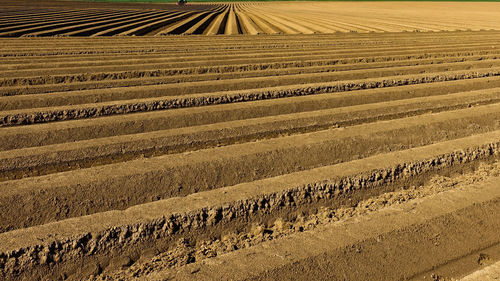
[(312, 151), (156, 19)]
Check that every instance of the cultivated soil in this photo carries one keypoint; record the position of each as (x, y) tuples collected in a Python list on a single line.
[(73, 18), (339, 156)]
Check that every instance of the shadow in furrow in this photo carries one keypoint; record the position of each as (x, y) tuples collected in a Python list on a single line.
[(183, 28)]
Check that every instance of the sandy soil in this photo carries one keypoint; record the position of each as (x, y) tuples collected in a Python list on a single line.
[(290, 248), (71, 18), (489, 273), (270, 157)]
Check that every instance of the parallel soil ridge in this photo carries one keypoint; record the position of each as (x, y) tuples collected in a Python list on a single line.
[(151, 159), (71, 18)]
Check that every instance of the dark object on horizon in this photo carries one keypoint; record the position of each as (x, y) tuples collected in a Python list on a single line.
[(181, 2)]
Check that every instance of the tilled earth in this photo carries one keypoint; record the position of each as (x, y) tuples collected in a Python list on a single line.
[(72, 18), (272, 157)]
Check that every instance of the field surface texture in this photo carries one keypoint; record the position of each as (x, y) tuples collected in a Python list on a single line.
[(42, 18), (342, 156)]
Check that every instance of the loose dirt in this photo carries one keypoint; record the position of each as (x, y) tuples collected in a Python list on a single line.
[(70, 18), (185, 252), (359, 156)]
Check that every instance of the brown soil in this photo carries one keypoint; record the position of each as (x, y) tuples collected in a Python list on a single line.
[(186, 253), (72, 18), (249, 157)]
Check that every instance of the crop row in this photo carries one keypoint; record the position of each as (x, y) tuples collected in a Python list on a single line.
[(124, 157), (240, 18)]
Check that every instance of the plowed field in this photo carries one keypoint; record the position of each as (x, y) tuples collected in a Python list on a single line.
[(49, 18), (263, 158), (348, 156)]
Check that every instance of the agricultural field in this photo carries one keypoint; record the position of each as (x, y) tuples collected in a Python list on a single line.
[(155, 19), (293, 156)]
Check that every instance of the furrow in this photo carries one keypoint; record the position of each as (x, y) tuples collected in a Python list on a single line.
[(69, 131), (91, 190), (61, 157), (160, 224), (51, 114), (26, 68), (77, 82)]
